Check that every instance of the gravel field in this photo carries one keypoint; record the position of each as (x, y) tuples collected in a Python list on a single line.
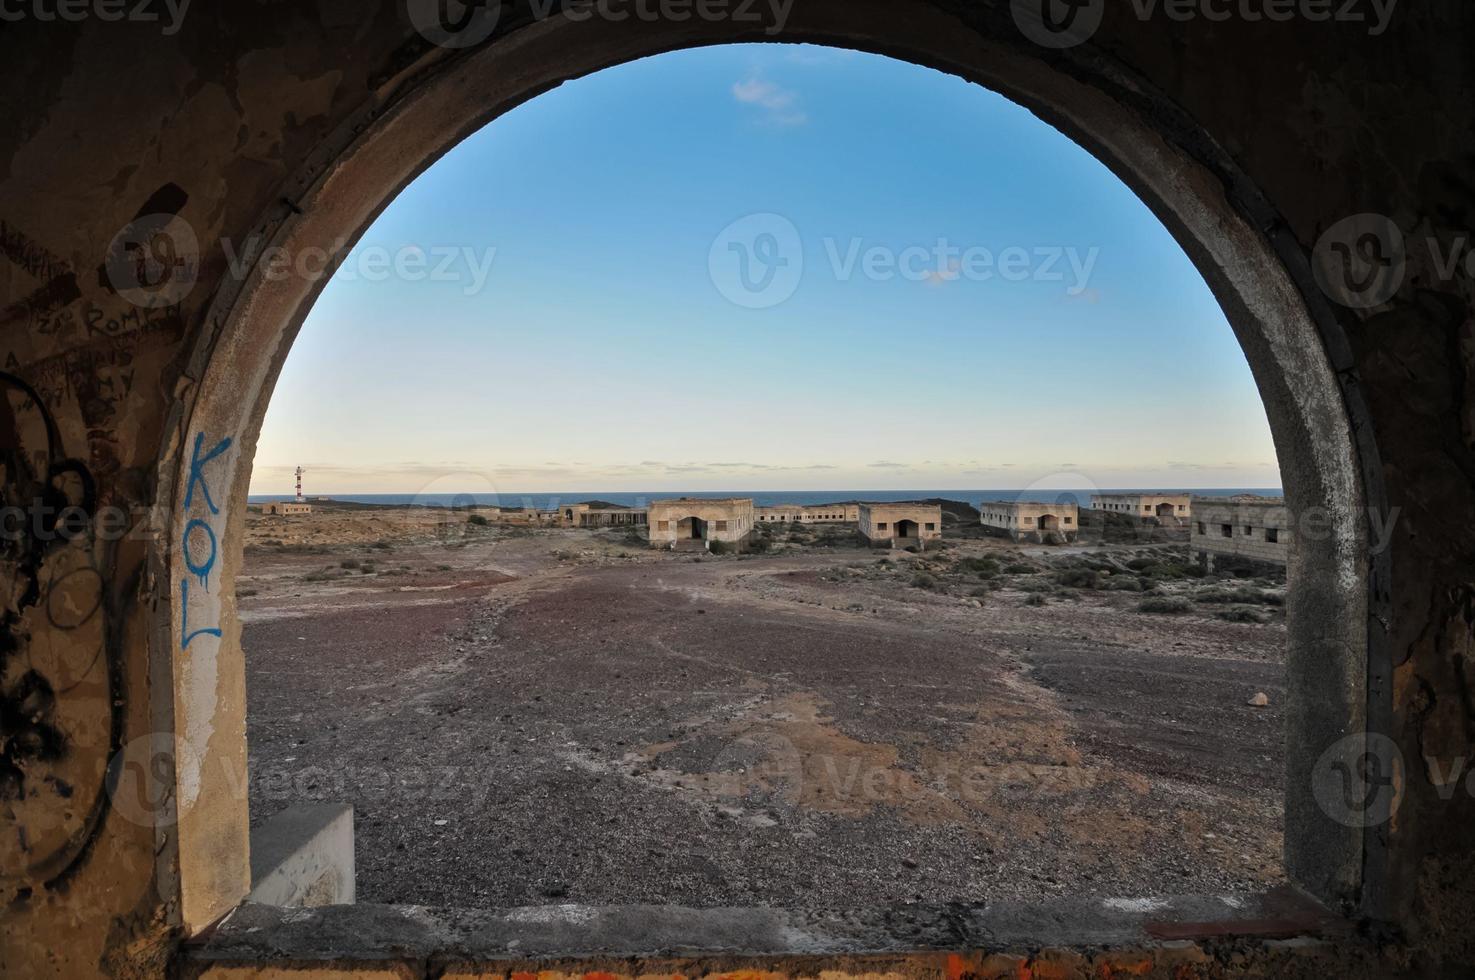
[(523, 717)]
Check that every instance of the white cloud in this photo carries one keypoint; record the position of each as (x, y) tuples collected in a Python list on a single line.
[(780, 104)]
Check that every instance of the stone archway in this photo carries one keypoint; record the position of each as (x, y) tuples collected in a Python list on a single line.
[(1145, 141)]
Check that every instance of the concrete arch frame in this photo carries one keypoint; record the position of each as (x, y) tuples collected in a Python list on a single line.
[(1258, 272)]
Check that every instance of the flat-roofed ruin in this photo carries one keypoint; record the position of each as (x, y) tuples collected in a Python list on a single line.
[(1255, 529), (286, 508), (904, 525), (847, 513), (696, 524), (1031, 520), (1160, 508), (601, 515)]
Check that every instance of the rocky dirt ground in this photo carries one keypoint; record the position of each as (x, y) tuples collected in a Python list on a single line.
[(532, 716)]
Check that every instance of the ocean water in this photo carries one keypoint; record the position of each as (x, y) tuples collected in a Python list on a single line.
[(762, 498)]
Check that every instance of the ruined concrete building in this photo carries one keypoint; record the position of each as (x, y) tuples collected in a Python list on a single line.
[(1317, 166), (902, 525), (848, 513), (1254, 528), (514, 516), (1028, 520), (590, 515), (1155, 508), (285, 508), (694, 524)]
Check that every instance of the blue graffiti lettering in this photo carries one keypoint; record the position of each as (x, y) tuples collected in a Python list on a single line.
[(196, 474), (200, 569), (184, 618)]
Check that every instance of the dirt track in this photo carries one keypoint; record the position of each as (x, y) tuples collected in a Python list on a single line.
[(531, 717)]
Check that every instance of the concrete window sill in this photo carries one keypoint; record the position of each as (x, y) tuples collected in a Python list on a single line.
[(1282, 926)]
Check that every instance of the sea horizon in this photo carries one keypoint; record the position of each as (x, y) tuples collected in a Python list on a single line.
[(549, 500)]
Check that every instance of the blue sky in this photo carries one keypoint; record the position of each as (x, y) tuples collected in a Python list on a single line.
[(577, 335)]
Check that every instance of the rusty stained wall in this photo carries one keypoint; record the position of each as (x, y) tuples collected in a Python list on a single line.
[(106, 122)]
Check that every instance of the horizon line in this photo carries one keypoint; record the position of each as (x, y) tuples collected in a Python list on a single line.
[(552, 493)]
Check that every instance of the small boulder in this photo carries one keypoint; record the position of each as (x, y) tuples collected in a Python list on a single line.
[(1260, 700)]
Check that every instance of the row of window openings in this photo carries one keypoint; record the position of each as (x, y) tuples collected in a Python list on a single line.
[(1146, 508), (1007, 518), (1272, 534), (881, 526), (666, 525)]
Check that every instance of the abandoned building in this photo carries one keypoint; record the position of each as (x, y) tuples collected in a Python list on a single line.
[(696, 523), (902, 525), (285, 508), (848, 513), (1028, 520), (1313, 166), (509, 516), (1161, 508), (1257, 529), (591, 515)]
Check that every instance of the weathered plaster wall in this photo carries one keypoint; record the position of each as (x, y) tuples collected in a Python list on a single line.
[(878, 521), (810, 514), (1248, 524), (229, 123), (729, 521), (1143, 505), (1020, 520)]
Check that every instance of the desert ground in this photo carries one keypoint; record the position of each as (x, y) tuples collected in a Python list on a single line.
[(535, 716)]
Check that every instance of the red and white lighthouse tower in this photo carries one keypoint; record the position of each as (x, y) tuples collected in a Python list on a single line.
[(299, 484)]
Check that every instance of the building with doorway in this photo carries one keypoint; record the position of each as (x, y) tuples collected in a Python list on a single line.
[(809, 514), (902, 525), (1254, 529), (695, 524), (286, 508), (1031, 520), (601, 515), (1157, 508)]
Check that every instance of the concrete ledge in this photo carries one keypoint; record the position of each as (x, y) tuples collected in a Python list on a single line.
[(303, 856), (633, 940)]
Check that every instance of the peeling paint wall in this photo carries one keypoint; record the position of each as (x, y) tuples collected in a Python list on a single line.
[(137, 169)]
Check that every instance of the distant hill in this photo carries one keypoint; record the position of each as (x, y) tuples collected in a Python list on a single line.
[(956, 511)]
